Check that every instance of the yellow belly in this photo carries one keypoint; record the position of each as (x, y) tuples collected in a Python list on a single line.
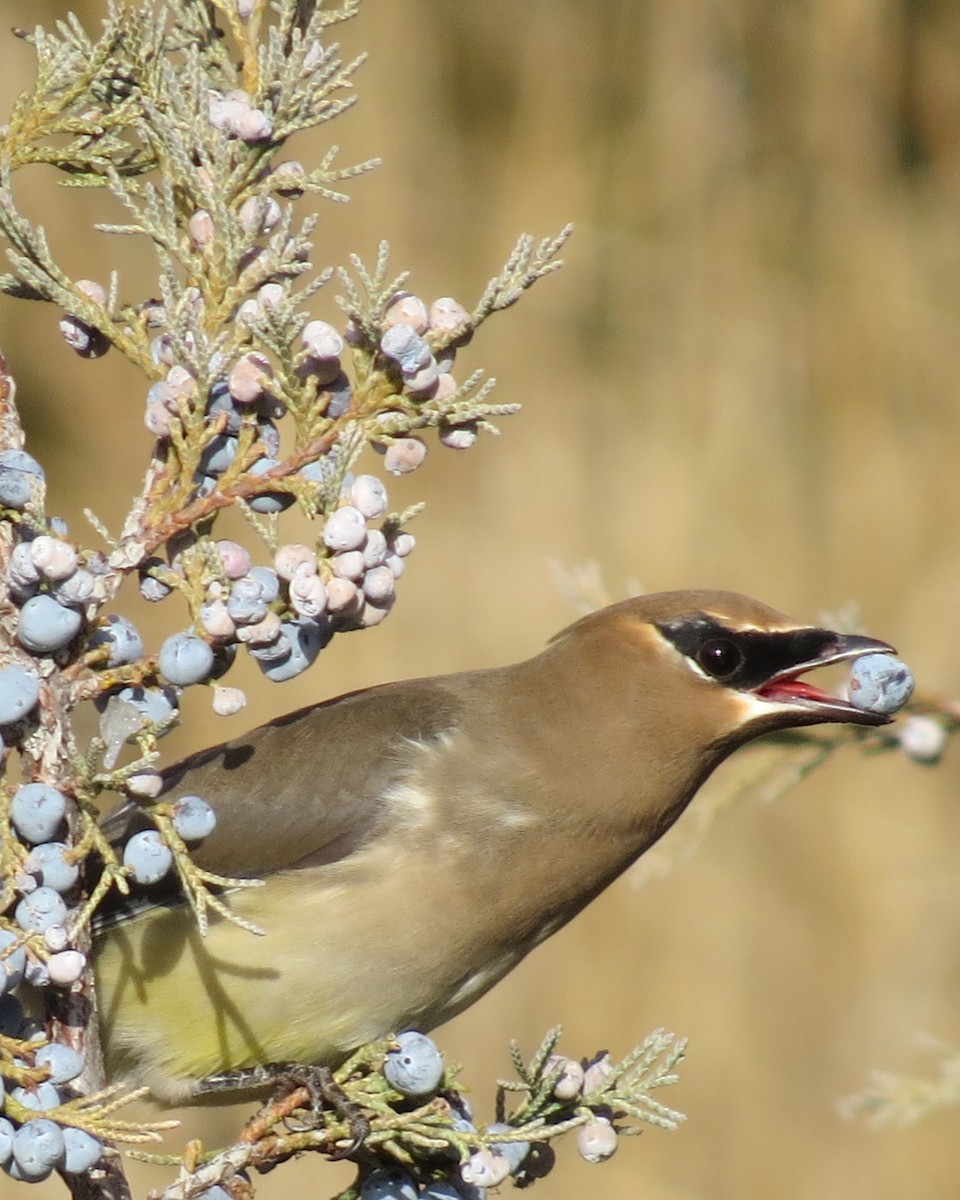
[(336, 967)]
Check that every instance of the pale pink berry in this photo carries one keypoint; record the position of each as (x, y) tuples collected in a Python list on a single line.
[(180, 383), (157, 420), (345, 529), (459, 437), (597, 1140), (293, 559), (447, 316), (342, 595), (379, 585), (405, 309), (570, 1083), (308, 595), (404, 455), (145, 784), (402, 543), (227, 701), (375, 550), (201, 229), (54, 559), (22, 571), (66, 967), (92, 290), (254, 125), (55, 937), (321, 340), (234, 558), (446, 384), (226, 112), (220, 111), (596, 1074), (262, 633), (369, 495), (162, 393), (485, 1168), (154, 314), (257, 215), (248, 377), (396, 565), (162, 352), (316, 55), (216, 620), (81, 337), (287, 178), (271, 294), (249, 311), (348, 564), (922, 738)]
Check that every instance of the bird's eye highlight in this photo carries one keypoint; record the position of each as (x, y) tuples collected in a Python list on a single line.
[(720, 657)]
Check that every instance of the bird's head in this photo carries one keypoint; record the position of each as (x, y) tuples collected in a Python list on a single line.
[(631, 708), (717, 668)]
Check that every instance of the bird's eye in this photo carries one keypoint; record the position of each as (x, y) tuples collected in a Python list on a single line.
[(720, 657)]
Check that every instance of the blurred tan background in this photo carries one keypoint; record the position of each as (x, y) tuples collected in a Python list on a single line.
[(747, 376)]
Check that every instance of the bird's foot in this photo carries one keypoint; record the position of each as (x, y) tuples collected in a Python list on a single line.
[(282, 1081), (324, 1092)]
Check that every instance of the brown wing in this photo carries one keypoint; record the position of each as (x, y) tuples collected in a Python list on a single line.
[(307, 787)]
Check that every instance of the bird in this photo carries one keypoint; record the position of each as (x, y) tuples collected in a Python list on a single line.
[(416, 840)]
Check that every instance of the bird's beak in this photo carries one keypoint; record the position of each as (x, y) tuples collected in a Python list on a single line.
[(786, 687)]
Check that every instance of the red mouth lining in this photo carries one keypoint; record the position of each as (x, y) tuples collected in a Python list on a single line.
[(786, 690)]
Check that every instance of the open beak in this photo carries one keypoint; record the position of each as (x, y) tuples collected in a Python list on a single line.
[(786, 687)]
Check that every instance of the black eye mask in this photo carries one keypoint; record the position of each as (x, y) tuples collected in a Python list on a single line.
[(743, 659)]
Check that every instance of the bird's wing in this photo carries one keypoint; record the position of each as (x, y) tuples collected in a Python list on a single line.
[(309, 787)]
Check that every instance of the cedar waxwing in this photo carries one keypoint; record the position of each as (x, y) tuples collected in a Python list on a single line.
[(418, 839)]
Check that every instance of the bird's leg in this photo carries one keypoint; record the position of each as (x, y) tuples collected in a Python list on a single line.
[(242, 1079)]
